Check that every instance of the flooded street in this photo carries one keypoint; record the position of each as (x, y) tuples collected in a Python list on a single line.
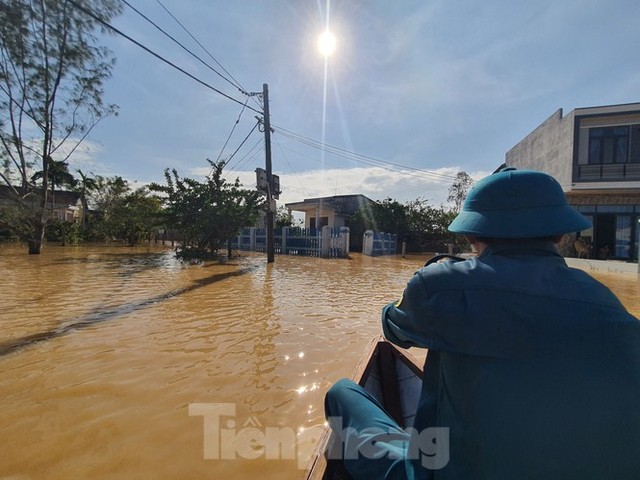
[(102, 350)]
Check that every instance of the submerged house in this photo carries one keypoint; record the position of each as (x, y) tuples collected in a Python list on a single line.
[(594, 153), (63, 205), (333, 211)]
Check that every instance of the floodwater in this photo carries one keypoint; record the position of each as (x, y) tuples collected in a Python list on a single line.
[(113, 360)]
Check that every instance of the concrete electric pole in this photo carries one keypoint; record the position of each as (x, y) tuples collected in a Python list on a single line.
[(270, 201)]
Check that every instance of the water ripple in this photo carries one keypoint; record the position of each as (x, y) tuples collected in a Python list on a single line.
[(125, 339)]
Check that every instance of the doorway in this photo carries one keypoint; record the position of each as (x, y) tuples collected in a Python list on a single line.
[(605, 236)]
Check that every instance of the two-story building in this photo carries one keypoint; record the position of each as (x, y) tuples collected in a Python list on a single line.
[(595, 155)]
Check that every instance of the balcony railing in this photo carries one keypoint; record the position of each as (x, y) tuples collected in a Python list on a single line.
[(609, 172)]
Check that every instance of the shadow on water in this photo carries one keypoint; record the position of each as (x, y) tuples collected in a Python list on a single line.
[(132, 265), (99, 316), (129, 265)]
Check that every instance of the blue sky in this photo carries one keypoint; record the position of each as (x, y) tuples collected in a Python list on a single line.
[(438, 86)]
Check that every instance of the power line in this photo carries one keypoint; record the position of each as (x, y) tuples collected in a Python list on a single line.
[(238, 85), (243, 141), (291, 168), (362, 158), (408, 174), (248, 158), (300, 138), (183, 47), (315, 159), (158, 56), (232, 130), (241, 144), (251, 153)]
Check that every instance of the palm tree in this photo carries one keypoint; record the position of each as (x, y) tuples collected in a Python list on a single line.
[(83, 186), (58, 175)]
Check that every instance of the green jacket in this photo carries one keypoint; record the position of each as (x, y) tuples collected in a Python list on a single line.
[(533, 366)]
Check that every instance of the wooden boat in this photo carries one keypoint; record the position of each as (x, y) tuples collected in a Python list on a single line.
[(394, 378)]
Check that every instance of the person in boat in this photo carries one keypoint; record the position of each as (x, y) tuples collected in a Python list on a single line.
[(533, 368)]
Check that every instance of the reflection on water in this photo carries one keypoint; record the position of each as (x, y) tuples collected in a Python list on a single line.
[(103, 349)]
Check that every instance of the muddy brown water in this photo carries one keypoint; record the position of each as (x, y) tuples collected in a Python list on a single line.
[(105, 352)]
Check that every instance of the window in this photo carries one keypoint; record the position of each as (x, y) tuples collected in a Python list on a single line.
[(615, 208), (608, 145), (623, 236), (323, 222)]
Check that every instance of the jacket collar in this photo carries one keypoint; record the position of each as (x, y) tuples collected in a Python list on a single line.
[(521, 247)]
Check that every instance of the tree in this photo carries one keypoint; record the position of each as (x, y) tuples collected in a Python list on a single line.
[(458, 190), (122, 213), (84, 186), (51, 87), (425, 223), (108, 192), (107, 196), (58, 176), (15, 220), (135, 217), (207, 214), (388, 216), (285, 219)]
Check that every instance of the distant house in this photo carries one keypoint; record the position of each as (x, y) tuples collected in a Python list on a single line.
[(63, 205), (333, 211), (595, 155)]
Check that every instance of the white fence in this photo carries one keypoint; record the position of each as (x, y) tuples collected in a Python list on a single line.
[(374, 243), (327, 242)]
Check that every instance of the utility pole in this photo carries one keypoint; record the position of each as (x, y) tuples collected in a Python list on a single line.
[(267, 149)]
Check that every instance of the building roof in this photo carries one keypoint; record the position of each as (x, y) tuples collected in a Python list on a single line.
[(62, 197), (341, 204), (608, 109)]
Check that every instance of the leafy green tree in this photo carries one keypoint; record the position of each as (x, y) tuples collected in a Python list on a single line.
[(63, 231), (134, 217), (207, 213), (458, 191), (108, 192), (108, 196), (84, 186), (51, 85), (16, 220), (422, 226), (285, 219), (388, 216), (59, 176)]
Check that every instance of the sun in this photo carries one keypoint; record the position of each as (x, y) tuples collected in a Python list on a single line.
[(327, 43)]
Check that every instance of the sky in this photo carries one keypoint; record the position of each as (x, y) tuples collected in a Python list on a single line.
[(415, 91)]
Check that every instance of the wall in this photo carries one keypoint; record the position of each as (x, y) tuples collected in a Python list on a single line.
[(548, 148)]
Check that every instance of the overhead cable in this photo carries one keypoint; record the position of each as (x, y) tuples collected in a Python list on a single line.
[(291, 167), (253, 151), (237, 83), (232, 130), (177, 42), (246, 160), (158, 56), (241, 144), (360, 157)]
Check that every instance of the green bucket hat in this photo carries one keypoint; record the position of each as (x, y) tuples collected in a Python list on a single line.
[(517, 204)]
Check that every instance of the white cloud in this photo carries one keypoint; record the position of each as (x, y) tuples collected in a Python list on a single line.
[(84, 157), (374, 182)]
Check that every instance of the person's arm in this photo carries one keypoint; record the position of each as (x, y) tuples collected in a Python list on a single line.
[(404, 322)]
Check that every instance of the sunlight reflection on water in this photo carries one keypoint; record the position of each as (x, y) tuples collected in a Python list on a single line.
[(127, 338)]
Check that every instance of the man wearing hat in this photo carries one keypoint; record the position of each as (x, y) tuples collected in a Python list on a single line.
[(533, 368)]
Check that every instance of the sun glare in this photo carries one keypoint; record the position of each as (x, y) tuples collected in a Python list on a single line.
[(327, 43)]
